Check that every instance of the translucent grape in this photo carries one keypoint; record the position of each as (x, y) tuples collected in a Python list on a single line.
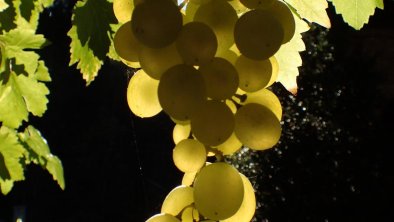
[(163, 218), (156, 23), (189, 155), (257, 127), (213, 123), (178, 199), (221, 17), (275, 70), (253, 74), (218, 191), (238, 6), (125, 43), (266, 98), (142, 95), (253, 4), (284, 15), (196, 43), (230, 146), (221, 78), (181, 132), (155, 61), (181, 91), (248, 206), (258, 34), (190, 11), (123, 9)]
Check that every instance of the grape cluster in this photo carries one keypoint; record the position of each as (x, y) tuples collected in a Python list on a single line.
[(208, 67)]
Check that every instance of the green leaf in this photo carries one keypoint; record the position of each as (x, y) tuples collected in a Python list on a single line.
[(23, 38), (28, 12), (312, 10), (7, 17), (42, 73), (112, 53), (91, 36), (18, 96), (357, 12), (3, 5), (11, 153), (6, 186), (39, 153), (289, 58)]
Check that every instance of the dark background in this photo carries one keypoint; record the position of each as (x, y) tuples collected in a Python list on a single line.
[(334, 161)]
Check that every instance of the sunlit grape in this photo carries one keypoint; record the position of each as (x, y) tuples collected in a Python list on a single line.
[(190, 11), (253, 4), (221, 17), (275, 70), (257, 127), (238, 6), (181, 91), (284, 15), (196, 43), (213, 123), (156, 23), (266, 98), (229, 55), (221, 78), (258, 34), (187, 215), (125, 43), (181, 132), (155, 61), (248, 206), (253, 74), (178, 199), (230, 146), (163, 218), (189, 155), (218, 191), (123, 9), (142, 95)]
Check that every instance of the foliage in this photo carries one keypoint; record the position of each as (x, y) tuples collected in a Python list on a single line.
[(23, 75)]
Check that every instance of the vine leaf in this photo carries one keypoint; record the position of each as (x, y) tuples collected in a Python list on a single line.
[(313, 11), (11, 152), (3, 5), (357, 12), (91, 36), (39, 153), (289, 58), (20, 91)]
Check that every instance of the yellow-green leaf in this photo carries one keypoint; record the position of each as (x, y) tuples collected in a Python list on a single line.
[(289, 58), (3, 5), (312, 10), (357, 12)]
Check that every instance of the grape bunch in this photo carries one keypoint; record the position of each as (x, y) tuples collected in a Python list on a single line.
[(207, 64)]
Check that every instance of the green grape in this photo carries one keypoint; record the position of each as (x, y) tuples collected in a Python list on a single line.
[(190, 11), (163, 218), (142, 95), (189, 155), (238, 6), (155, 61), (221, 78), (248, 206), (266, 98), (200, 2), (178, 199), (123, 9), (196, 43), (218, 191), (275, 70), (134, 65), (257, 127), (181, 91), (156, 23), (188, 178), (187, 215), (213, 123), (181, 132), (284, 15), (253, 4), (258, 34), (253, 74), (221, 17), (231, 105), (126, 45), (230, 146), (229, 55)]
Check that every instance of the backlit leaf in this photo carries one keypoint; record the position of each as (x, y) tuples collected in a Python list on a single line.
[(312, 10)]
